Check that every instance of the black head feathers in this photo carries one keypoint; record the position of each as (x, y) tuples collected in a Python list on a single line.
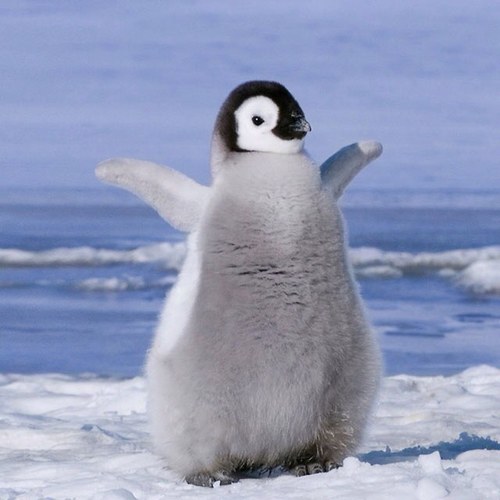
[(291, 122)]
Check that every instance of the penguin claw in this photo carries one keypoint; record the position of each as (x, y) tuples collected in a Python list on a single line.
[(330, 466), (201, 479), (300, 470), (228, 480), (314, 468), (207, 480)]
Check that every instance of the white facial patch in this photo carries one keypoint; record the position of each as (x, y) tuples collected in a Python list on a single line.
[(255, 120)]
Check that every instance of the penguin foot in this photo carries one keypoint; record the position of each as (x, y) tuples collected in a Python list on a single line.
[(314, 468), (207, 480), (328, 466)]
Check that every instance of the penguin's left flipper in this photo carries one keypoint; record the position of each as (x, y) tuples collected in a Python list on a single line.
[(338, 170), (177, 198)]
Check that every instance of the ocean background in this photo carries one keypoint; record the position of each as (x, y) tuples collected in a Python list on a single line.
[(84, 268)]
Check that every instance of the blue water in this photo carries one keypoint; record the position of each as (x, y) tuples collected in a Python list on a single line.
[(55, 320), (84, 81)]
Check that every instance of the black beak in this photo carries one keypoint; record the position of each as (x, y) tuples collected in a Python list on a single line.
[(294, 127), (299, 127), (300, 124)]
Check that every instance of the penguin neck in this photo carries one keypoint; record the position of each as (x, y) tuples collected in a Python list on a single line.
[(221, 157), (218, 154), (272, 173)]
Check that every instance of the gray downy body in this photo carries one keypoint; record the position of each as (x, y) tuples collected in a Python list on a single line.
[(269, 360)]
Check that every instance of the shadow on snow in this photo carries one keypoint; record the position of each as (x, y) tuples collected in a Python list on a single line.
[(448, 451)]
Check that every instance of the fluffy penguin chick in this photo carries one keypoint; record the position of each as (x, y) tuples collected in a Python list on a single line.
[(262, 356)]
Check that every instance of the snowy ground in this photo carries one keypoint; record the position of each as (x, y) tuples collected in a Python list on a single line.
[(64, 437)]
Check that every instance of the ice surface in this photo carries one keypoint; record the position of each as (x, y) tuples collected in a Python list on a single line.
[(481, 277), (87, 437), (170, 255), (476, 270), (121, 284)]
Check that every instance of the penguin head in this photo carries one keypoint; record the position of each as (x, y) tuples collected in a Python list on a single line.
[(261, 116)]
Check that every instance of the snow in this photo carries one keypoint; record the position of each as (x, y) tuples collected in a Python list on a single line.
[(481, 277), (86, 437), (169, 254), (476, 269), (120, 284)]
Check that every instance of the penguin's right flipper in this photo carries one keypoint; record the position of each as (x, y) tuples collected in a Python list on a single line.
[(177, 198), (338, 170)]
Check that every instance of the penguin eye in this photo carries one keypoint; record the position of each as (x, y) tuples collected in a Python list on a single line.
[(257, 120)]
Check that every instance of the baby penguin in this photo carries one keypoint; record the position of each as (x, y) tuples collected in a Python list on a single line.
[(263, 356)]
